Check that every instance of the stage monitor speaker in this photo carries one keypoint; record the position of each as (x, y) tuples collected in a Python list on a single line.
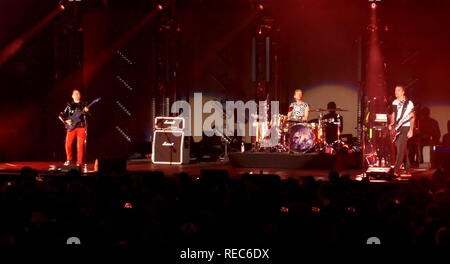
[(441, 157), (64, 168), (170, 147)]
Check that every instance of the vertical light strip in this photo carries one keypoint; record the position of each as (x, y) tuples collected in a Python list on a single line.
[(267, 59), (253, 59)]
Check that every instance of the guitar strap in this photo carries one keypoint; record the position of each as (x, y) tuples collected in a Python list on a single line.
[(405, 105)]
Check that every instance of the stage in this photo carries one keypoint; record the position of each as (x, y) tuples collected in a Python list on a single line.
[(195, 170)]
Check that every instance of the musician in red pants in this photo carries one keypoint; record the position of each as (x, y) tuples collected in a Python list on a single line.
[(74, 117)]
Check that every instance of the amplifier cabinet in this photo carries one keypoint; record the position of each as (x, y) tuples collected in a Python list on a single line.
[(169, 147)]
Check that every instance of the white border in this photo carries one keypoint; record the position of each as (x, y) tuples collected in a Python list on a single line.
[(169, 118), (153, 147)]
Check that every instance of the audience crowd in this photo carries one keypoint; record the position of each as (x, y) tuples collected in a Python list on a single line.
[(148, 208)]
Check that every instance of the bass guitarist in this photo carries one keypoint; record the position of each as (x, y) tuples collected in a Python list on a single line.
[(78, 130), (401, 127)]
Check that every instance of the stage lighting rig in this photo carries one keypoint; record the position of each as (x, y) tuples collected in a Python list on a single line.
[(373, 3), (267, 25), (169, 25), (63, 4), (163, 4), (260, 5)]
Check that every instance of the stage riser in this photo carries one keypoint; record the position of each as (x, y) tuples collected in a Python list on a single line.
[(310, 161), (111, 165)]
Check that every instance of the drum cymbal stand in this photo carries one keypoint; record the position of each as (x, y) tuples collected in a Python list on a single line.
[(281, 146), (338, 143), (321, 134)]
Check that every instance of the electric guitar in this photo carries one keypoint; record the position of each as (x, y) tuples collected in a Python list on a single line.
[(395, 131), (76, 116)]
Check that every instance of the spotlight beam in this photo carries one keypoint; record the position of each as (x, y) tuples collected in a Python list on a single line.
[(11, 49), (93, 65), (220, 44), (375, 70)]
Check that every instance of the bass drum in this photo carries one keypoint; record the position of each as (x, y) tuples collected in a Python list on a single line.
[(301, 138)]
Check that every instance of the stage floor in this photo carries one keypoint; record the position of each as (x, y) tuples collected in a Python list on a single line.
[(194, 170)]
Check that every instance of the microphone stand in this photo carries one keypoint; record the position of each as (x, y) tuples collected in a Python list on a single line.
[(85, 169), (227, 141)]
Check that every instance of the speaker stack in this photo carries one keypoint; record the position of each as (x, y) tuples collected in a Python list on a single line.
[(169, 144)]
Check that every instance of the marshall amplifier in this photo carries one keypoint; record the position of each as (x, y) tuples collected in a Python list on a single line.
[(169, 123), (169, 145)]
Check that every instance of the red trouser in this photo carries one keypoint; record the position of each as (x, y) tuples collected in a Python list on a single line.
[(80, 133)]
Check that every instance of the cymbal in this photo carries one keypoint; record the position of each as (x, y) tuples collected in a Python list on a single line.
[(318, 110), (337, 109), (328, 110)]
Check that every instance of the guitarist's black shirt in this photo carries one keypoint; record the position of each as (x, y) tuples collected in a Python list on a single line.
[(71, 107)]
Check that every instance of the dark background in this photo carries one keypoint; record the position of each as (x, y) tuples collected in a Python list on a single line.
[(317, 45)]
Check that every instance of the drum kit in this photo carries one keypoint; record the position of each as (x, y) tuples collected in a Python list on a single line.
[(305, 137)]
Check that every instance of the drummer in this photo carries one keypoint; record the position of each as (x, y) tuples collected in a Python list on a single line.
[(333, 121), (332, 116), (299, 110)]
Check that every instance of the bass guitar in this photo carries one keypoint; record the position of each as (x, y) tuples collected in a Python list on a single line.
[(395, 131), (76, 116)]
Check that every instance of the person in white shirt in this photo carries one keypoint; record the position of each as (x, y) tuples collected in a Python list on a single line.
[(403, 113), (299, 110)]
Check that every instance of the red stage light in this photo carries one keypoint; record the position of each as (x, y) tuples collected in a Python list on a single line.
[(260, 7), (61, 7), (373, 5), (259, 31), (160, 7)]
